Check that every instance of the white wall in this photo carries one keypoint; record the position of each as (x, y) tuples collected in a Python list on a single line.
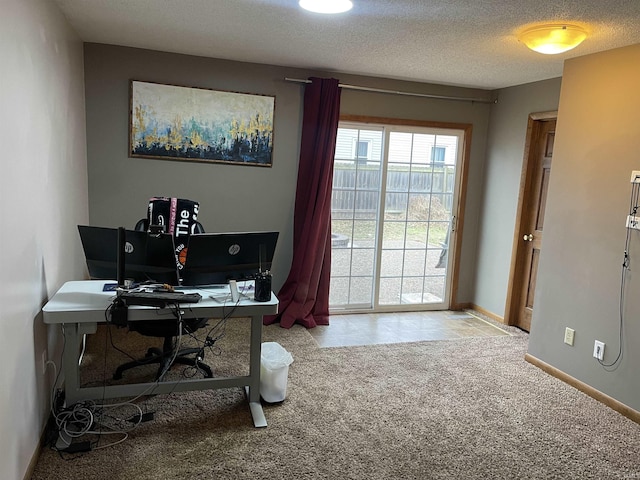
[(597, 146), (505, 153), (43, 195)]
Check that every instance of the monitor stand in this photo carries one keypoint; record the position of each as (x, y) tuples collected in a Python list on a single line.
[(122, 240)]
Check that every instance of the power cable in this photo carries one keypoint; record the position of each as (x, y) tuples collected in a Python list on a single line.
[(634, 205)]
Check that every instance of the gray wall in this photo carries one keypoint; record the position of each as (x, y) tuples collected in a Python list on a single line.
[(505, 153), (597, 146), (43, 195), (240, 198)]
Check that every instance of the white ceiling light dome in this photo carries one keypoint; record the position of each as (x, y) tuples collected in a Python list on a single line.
[(553, 38), (326, 6)]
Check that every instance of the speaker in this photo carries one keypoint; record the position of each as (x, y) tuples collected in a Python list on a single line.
[(262, 287)]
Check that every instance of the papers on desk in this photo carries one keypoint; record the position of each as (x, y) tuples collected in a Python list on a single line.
[(243, 286), (223, 295), (226, 297), (220, 297)]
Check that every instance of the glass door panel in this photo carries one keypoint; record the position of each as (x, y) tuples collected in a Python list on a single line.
[(355, 209), (395, 191)]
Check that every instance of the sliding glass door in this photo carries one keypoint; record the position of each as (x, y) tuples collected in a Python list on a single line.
[(394, 193)]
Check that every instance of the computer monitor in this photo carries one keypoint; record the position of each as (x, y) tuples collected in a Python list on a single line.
[(147, 257), (215, 258)]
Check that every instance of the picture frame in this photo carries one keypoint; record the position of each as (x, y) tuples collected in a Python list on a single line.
[(172, 122)]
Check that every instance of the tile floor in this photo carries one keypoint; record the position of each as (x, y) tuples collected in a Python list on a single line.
[(374, 328)]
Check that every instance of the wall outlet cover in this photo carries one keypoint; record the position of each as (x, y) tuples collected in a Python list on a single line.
[(598, 350), (633, 222)]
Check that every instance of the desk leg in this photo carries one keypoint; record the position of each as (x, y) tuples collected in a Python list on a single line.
[(253, 389), (70, 367)]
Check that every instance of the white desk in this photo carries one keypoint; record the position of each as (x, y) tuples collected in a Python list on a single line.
[(81, 305)]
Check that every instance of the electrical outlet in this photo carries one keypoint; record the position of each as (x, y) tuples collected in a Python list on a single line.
[(633, 222), (598, 350), (569, 333), (635, 176)]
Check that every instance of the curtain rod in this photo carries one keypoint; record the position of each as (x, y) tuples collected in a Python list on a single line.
[(395, 92)]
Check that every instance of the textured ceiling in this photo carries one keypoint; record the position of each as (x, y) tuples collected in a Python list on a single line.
[(457, 42)]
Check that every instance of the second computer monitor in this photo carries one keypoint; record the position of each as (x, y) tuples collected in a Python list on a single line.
[(215, 258)]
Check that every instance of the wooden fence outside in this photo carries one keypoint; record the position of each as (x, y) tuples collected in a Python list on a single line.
[(357, 189)]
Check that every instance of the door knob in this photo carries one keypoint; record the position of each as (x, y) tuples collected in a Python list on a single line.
[(528, 238)]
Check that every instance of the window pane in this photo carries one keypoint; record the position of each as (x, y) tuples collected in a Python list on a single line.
[(389, 291), (419, 206), (398, 180), (366, 204), (364, 233), (368, 177), (342, 228), (434, 289), (421, 179), (361, 290), (339, 291), (400, 145), (340, 262), (414, 261), (342, 203), (416, 237), (438, 233), (361, 261), (411, 290), (422, 145), (391, 263), (393, 235)]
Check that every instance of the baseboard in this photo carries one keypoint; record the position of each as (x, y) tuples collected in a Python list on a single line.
[(459, 306), (486, 313), (42, 443), (34, 459), (610, 402)]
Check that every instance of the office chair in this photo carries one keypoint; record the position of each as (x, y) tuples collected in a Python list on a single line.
[(168, 330)]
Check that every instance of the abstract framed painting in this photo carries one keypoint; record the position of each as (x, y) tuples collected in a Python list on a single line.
[(200, 125)]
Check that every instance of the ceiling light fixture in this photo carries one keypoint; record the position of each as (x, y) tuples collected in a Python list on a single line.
[(326, 6), (553, 38)]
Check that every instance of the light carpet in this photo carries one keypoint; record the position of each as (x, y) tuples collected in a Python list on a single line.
[(463, 409)]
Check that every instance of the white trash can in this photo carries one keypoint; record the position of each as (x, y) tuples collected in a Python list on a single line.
[(274, 372)]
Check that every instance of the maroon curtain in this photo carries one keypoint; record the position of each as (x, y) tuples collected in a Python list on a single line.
[(304, 297)]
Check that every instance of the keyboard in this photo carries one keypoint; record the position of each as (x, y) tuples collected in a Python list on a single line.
[(159, 299)]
